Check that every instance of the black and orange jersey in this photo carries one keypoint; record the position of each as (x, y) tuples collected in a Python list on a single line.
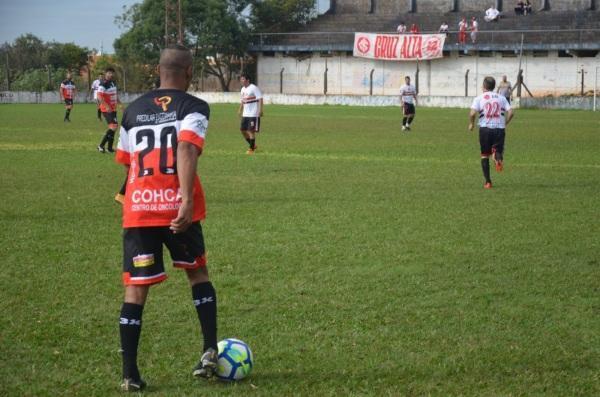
[(67, 89), (107, 93), (151, 128)]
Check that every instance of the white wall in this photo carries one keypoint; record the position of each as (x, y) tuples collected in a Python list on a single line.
[(348, 75)]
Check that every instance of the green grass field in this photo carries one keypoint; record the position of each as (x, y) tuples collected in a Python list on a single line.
[(354, 259)]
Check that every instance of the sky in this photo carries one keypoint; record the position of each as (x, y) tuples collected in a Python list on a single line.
[(86, 23), (83, 22)]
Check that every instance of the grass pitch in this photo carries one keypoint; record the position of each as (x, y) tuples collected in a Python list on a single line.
[(352, 258)]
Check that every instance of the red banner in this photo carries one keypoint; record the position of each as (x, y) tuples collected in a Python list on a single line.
[(398, 47)]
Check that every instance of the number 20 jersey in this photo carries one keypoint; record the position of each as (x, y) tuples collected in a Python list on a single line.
[(151, 128)]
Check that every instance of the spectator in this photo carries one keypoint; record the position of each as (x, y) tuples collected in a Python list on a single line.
[(462, 31), (474, 30), (414, 29), (492, 14), (520, 8), (444, 28), (527, 7), (401, 29), (505, 88)]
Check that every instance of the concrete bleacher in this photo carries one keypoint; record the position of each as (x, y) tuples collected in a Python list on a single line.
[(577, 29)]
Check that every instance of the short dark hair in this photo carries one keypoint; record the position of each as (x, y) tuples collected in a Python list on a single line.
[(489, 83), (406, 77), (246, 76), (110, 69)]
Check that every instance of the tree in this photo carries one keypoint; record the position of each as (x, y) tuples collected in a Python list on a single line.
[(67, 55), (281, 15), (217, 31), (145, 35), (220, 37), (28, 52)]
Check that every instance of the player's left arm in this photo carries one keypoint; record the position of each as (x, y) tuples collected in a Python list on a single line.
[(510, 112), (187, 161), (260, 107)]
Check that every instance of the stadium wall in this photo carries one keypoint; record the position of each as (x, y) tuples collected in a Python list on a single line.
[(347, 75), (396, 7), (577, 103)]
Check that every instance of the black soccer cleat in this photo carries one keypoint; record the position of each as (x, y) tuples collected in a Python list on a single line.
[(132, 386), (207, 365)]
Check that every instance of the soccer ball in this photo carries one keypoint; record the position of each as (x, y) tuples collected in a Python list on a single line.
[(235, 360)]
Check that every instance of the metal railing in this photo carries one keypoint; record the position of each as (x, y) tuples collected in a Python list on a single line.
[(533, 38)]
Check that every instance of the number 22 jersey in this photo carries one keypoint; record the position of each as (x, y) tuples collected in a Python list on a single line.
[(151, 128), (491, 108)]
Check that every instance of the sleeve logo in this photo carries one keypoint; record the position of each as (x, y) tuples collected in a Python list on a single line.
[(163, 101)]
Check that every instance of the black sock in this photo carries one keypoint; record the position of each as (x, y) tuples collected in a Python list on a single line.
[(485, 166), (404, 120), (67, 114), (249, 141), (205, 300), (499, 156), (104, 140), (110, 139), (122, 191), (410, 119), (99, 114), (130, 327), (252, 143)]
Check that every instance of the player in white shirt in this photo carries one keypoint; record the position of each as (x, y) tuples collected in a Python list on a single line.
[(251, 110), (494, 114), (94, 90), (408, 98)]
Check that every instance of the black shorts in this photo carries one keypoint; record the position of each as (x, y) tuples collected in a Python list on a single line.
[(68, 102), (143, 252), (250, 124), (491, 139), (409, 108), (111, 118)]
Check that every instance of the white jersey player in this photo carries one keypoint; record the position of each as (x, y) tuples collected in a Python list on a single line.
[(94, 89), (494, 114), (251, 109), (408, 98)]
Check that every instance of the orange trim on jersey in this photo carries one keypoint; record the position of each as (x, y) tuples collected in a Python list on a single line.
[(123, 157), (158, 278), (191, 137)]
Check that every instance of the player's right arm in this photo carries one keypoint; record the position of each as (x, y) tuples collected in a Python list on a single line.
[(187, 161), (475, 108), (240, 109)]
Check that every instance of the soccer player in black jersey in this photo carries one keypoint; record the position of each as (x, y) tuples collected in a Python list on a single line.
[(162, 134)]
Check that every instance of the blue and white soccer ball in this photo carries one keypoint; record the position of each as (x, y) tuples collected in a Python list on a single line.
[(235, 360)]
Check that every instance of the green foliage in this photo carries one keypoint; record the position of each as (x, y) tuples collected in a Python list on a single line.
[(216, 30), (281, 15), (354, 259), (145, 35), (220, 39), (67, 55), (39, 66), (28, 52)]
